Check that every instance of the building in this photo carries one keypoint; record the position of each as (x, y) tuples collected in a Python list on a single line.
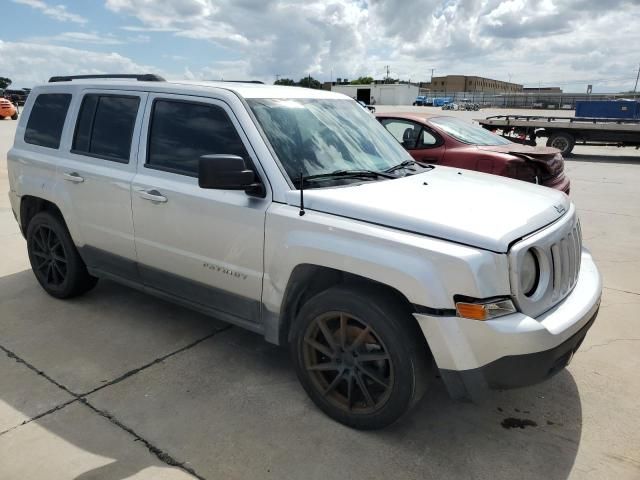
[(464, 83), (380, 93)]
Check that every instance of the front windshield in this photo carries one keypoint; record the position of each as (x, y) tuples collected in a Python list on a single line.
[(314, 136), (467, 132)]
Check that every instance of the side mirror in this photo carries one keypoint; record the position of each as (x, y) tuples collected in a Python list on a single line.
[(226, 172)]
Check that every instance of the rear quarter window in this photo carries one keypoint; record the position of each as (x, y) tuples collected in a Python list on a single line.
[(46, 120)]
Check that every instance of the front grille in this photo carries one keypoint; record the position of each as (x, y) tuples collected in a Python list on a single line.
[(558, 249), (565, 259)]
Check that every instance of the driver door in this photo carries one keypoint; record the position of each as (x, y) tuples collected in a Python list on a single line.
[(200, 245)]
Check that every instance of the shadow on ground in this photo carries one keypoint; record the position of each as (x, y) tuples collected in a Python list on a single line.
[(619, 159), (228, 404)]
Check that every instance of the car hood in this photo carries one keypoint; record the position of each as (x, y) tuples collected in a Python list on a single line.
[(463, 206)]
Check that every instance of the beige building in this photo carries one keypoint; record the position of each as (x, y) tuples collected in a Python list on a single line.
[(464, 83)]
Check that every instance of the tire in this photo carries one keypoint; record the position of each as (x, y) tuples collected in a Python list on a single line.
[(562, 141), (333, 369), (54, 259), (14, 116)]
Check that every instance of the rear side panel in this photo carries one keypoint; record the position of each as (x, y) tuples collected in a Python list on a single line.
[(32, 168)]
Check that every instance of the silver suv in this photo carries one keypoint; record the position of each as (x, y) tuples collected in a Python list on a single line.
[(293, 213)]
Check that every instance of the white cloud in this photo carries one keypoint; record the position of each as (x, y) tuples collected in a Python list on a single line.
[(555, 42), (79, 37), (527, 40), (58, 12), (28, 64)]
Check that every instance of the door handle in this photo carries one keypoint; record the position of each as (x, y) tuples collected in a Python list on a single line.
[(152, 195), (73, 177)]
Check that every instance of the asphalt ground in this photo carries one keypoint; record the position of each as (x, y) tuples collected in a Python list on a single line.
[(117, 384)]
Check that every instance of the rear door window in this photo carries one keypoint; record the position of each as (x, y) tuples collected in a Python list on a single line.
[(181, 132), (105, 126), (46, 121)]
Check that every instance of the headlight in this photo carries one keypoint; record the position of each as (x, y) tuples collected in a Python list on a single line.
[(529, 273), (485, 309)]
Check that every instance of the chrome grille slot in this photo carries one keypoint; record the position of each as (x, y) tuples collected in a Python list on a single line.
[(559, 250)]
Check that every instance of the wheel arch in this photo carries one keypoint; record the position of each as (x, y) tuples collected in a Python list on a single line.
[(308, 280), (32, 205)]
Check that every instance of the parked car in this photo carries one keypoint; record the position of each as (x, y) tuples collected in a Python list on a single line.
[(450, 141), (8, 110), (291, 212), (422, 101), (18, 97), (371, 108), (450, 106)]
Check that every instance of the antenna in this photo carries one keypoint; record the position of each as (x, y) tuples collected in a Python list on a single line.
[(302, 212)]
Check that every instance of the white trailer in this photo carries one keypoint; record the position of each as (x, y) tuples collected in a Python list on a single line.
[(380, 93)]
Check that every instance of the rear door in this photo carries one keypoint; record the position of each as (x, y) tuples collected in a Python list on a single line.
[(204, 246), (97, 172), (420, 141)]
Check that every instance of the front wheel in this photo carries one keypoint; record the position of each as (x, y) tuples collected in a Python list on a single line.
[(14, 116), (360, 356)]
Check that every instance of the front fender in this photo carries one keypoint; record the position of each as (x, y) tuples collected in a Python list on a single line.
[(427, 271)]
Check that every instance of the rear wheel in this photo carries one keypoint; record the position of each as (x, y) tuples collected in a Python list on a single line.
[(360, 356), (562, 141), (54, 258)]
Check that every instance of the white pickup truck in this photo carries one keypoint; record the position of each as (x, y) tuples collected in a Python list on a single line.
[(293, 213)]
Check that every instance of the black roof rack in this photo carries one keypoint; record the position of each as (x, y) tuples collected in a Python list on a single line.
[(238, 81), (145, 77)]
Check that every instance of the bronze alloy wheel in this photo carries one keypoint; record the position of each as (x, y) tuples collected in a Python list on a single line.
[(348, 363)]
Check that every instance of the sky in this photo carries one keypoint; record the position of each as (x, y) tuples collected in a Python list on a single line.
[(566, 43)]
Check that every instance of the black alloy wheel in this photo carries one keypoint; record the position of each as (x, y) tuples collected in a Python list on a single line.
[(54, 259), (50, 258), (348, 362)]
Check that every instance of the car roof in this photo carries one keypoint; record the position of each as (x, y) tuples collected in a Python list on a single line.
[(415, 116), (246, 90)]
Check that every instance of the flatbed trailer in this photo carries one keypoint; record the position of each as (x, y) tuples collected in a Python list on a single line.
[(564, 133)]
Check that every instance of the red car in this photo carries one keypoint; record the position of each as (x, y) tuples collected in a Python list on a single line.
[(445, 140)]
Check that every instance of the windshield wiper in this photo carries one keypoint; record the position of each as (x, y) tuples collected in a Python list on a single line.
[(408, 163), (348, 174)]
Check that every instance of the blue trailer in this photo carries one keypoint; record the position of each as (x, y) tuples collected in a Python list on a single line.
[(628, 109), (440, 101)]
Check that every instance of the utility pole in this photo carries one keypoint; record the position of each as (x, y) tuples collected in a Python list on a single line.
[(386, 80), (637, 77), (432, 70)]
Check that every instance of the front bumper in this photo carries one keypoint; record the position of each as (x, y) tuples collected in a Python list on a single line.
[(514, 350)]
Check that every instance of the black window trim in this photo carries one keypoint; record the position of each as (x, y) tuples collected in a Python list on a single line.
[(93, 121), (249, 161), (434, 134), (423, 127), (64, 123)]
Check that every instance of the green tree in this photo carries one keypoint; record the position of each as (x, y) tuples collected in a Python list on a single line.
[(285, 81), (362, 81), (309, 82), (4, 82)]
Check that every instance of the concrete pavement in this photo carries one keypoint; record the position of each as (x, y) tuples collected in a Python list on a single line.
[(117, 384)]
